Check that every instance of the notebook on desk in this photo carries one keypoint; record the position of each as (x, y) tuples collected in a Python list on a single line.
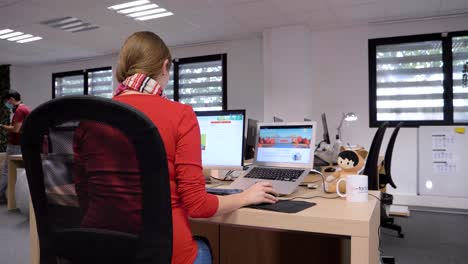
[(284, 155)]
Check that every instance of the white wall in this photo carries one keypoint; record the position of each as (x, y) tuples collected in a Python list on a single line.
[(287, 66), (340, 84)]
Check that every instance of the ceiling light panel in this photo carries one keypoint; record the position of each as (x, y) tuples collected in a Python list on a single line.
[(141, 10), (148, 12), (70, 24), (16, 36)]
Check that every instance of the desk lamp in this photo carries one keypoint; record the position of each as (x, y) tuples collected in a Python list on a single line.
[(349, 117)]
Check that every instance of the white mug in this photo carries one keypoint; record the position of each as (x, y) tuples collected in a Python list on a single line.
[(356, 188)]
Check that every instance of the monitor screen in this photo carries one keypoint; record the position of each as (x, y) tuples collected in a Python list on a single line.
[(285, 144), (251, 132), (222, 136), (326, 136), (251, 138), (277, 119)]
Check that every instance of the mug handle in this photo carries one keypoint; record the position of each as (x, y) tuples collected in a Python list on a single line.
[(338, 187)]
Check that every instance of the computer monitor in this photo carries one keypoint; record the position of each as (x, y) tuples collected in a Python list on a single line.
[(326, 136), (277, 119), (222, 137), (251, 138)]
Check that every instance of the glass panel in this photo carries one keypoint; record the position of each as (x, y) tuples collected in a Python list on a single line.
[(100, 83), (201, 85), (69, 85), (460, 78), (410, 81)]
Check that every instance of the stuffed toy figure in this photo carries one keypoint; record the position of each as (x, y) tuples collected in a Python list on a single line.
[(350, 162)]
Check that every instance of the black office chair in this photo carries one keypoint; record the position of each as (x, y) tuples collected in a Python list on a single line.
[(65, 241), (386, 178), (371, 168)]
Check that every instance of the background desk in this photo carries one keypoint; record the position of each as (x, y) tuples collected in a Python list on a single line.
[(14, 162)]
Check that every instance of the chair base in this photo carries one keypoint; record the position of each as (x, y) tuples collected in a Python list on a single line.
[(394, 227), (387, 260)]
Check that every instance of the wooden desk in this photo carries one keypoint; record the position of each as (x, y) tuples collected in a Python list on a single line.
[(335, 217), (14, 162), (258, 236)]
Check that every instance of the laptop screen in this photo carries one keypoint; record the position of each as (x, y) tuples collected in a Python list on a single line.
[(285, 144)]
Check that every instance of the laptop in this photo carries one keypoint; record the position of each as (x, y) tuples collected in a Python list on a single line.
[(284, 155)]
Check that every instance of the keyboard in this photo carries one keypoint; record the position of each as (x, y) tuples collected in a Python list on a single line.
[(274, 174)]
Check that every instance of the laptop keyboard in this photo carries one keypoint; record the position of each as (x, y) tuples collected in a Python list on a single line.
[(275, 174)]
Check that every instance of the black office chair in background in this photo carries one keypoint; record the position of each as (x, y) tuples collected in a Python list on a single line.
[(62, 240), (371, 169), (386, 178)]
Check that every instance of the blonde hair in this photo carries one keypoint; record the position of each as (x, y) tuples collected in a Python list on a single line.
[(142, 52)]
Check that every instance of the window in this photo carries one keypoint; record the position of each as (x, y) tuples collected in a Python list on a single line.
[(460, 78), (418, 79), (200, 82), (96, 82)]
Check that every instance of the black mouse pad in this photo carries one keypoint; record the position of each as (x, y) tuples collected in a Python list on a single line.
[(284, 206)]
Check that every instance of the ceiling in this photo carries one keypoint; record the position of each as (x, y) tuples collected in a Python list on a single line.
[(194, 21)]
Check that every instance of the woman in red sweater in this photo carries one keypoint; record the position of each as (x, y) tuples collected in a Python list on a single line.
[(106, 170)]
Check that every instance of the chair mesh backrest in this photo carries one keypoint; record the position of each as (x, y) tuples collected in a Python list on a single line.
[(101, 193), (371, 167), (389, 154), (61, 138)]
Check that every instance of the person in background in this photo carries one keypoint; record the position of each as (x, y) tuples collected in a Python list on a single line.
[(106, 170), (12, 101)]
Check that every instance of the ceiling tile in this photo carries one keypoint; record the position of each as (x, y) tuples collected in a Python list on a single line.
[(454, 5), (359, 13), (337, 3), (408, 8), (321, 19), (183, 5), (299, 6), (253, 11), (229, 2)]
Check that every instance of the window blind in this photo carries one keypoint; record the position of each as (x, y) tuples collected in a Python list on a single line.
[(410, 81), (169, 90), (100, 83), (69, 85), (201, 85), (460, 78)]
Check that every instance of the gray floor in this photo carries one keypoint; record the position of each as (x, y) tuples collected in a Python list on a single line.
[(430, 238), (14, 237)]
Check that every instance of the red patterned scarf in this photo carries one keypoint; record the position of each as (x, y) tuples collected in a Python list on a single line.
[(141, 83)]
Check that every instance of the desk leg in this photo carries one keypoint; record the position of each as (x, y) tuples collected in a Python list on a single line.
[(11, 185), (33, 238), (365, 250), (360, 250)]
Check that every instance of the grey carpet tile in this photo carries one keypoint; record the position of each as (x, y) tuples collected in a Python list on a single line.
[(14, 237), (430, 238)]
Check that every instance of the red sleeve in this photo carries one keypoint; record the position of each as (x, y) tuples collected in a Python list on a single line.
[(79, 171), (20, 115), (189, 174)]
